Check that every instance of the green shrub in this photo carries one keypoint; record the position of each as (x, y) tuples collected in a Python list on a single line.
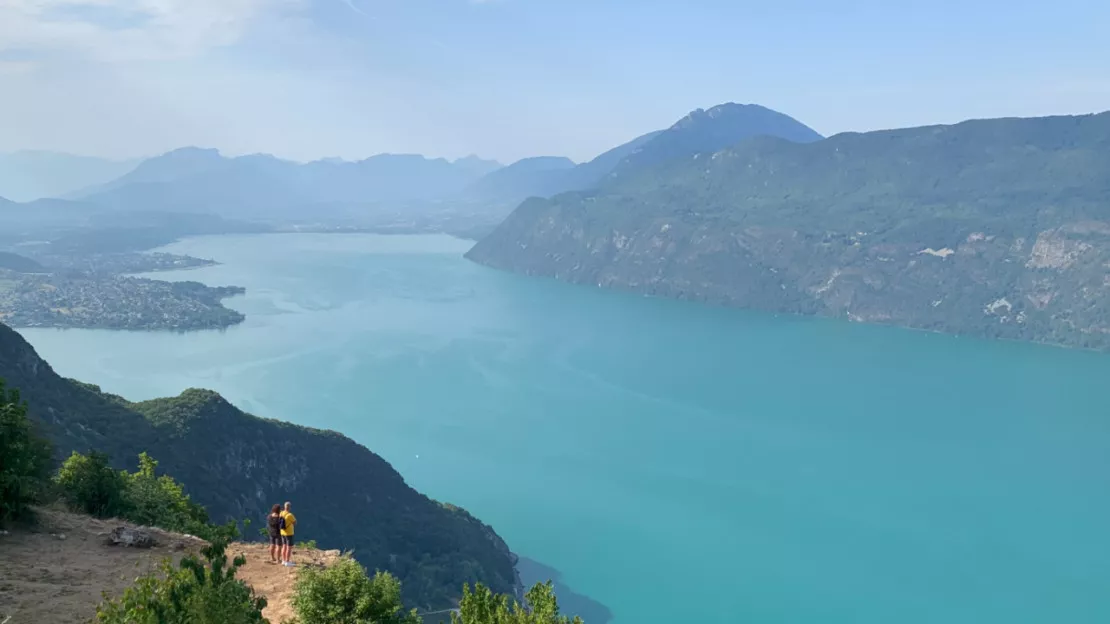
[(24, 458), (482, 606), (344, 594), (161, 501), (309, 545), (90, 484), (194, 593)]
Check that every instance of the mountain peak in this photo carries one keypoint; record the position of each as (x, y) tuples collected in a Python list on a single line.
[(722, 110), (753, 115), (193, 149), (533, 163), (475, 165), (474, 158), (708, 131), (182, 157)]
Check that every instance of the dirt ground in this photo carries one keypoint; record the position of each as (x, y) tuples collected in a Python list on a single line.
[(59, 570), (274, 581)]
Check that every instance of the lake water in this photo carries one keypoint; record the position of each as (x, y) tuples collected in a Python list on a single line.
[(675, 462)]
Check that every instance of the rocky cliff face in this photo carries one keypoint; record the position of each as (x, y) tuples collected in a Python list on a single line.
[(998, 228), (238, 465)]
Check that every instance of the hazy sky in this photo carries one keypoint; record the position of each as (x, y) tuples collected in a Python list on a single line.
[(305, 79)]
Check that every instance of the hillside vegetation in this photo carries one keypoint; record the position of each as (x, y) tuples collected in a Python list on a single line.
[(319, 588), (997, 228), (237, 465)]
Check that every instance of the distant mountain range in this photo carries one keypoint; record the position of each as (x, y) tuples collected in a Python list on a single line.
[(388, 186), (264, 187), (997, 228), (29, 175), (541, 175)]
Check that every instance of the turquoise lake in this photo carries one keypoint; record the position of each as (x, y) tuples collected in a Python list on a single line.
[(674, 462)]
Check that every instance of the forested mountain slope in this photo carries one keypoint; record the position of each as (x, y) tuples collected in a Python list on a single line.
[(995, 227), (238, 465)]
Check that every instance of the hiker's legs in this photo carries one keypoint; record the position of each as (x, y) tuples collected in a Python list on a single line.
[(274, 547), (288, 548)]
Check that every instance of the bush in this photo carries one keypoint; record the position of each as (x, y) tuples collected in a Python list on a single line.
[(24, 458), (482, 606), (344, 594), (90, 484), (194, 593), (161, 501)]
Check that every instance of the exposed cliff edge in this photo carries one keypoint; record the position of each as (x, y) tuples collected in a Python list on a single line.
[(237, 465), (997, 228)]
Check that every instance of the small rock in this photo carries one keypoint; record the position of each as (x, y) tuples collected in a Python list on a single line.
[(332, 553), (178, 546), (61, 536)]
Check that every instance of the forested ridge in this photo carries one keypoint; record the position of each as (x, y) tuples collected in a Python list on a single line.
[(237, 465), (996, 228)]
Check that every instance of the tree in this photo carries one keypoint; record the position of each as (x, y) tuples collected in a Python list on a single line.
[(481, 606), (90, 484), (344, 594), (161, 501), (193, 593), (24, 457)]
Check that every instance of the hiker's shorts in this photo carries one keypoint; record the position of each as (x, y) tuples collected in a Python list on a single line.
[(275, 540), (287, 540)]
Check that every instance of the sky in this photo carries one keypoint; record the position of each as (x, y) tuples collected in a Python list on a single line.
[(505, 79)]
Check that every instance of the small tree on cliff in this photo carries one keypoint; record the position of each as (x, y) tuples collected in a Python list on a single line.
[(159, 500), (481, 606), (90, 484), (24, 457)]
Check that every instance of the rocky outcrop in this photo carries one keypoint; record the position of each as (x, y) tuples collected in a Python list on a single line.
[(130, 537)]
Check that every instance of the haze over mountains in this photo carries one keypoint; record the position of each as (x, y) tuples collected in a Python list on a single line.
[(262, 187), (28, 175), (992, 227)]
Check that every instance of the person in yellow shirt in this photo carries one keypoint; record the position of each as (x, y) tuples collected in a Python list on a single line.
[(287, 529)]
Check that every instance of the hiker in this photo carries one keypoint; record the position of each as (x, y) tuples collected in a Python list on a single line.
[(290, 523), (275, 521)]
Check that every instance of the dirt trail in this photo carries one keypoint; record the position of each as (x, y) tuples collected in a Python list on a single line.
[(58, 571), (275, 581)]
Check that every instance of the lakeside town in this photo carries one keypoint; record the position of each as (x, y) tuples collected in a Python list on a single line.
[(121, 263), (96, 291), (113, 302)]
